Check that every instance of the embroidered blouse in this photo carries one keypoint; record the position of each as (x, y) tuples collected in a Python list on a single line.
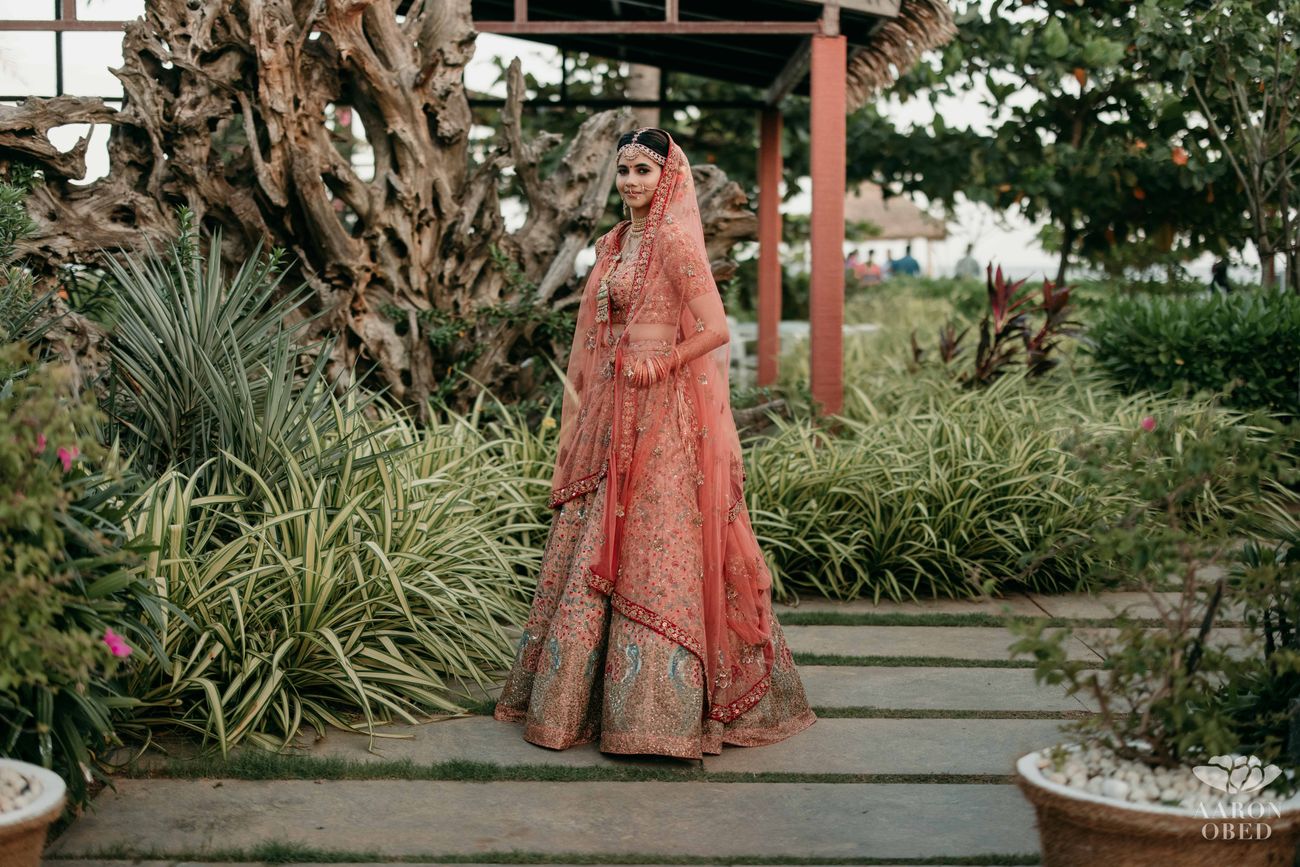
[(688, 278)]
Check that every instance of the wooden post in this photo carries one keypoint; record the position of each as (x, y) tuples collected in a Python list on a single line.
[(826, 294), (769, 244)]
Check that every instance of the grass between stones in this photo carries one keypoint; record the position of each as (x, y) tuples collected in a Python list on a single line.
[(484, 708), (270, 766), (867, 618), (943, 713), (927, 661), (287, 853)]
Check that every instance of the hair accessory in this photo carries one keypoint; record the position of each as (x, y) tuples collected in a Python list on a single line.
[(637, 147)]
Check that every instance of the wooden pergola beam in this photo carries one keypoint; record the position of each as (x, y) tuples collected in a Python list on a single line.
[(791, 74), (769, 244), (881, 8), (826, 230), (61, 25), (646, 28)]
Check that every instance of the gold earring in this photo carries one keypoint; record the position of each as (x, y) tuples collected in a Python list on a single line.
[(627, 212)]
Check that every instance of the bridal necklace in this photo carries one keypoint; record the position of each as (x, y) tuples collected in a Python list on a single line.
[(630, 245), (633, 239)]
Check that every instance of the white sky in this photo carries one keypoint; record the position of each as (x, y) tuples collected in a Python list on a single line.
[(27, 67)]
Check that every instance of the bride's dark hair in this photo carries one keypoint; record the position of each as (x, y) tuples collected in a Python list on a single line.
[(652, 137)]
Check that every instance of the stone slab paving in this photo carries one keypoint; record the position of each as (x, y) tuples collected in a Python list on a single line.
[(896, 746), (1233, 639), (476, 739), (961, 642), (406, 817), (1104, 605), (966, 688), (831, 745), (1017, 603), (931, 687)]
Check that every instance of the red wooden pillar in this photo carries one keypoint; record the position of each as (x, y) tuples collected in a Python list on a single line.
[(769, 244), (826, 294)]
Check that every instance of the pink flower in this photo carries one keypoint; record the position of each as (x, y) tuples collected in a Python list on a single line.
[(116, 643), (1149, 423), (66, 454), (40, 443)]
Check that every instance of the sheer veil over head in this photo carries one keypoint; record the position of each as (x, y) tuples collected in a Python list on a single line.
[(672, 283)]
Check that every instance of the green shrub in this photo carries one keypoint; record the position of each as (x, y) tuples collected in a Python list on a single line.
[(1246, 345), (68, 604), (65, 585), (203, 362), (932, 489), (323, 560), (1180, 693)]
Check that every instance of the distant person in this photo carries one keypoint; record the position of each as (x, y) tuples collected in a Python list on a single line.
[(905, 266), (853, 266), (1219, 277), (968, 268), (871, 272)]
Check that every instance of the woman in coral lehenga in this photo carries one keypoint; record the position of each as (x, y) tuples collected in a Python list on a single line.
[(652, 624)]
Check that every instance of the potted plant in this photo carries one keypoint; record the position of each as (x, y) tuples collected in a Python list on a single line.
[(1190, 758), (30, 799)]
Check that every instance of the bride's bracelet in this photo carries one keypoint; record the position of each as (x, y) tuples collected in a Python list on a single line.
[(650, 369)]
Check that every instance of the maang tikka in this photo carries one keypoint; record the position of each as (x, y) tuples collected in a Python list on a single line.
[(640, 148)]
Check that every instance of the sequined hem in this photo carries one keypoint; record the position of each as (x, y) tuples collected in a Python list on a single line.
[(578, 488), (555, 738), (661, 745), (650, 620), (728, 712), (509, 714), (768, 736), (647, 618)]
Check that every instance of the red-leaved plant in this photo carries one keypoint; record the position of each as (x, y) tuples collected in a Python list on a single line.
[(1005, 328)]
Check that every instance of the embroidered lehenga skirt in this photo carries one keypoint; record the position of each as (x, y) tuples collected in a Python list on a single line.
[(588, 667)]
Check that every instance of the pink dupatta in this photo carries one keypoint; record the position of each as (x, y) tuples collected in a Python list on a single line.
[(672, 282)]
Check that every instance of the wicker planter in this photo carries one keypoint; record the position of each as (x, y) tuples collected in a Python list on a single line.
[(22, 831), (1080, 829)]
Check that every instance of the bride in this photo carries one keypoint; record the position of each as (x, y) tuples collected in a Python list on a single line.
[(652, 626)]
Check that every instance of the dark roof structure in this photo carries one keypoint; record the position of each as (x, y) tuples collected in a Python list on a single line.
[(763, 43)]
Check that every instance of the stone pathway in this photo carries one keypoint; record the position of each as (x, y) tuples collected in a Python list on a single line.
[(919, 758)]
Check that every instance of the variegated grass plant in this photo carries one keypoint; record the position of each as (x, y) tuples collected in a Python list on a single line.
[(932, 489), (352, 594), (322, 558)]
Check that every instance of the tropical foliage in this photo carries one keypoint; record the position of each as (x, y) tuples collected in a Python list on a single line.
[(1183, 691), (1243, 345), (70, 605)]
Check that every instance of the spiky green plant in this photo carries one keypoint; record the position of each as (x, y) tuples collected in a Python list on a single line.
[(375, 588), (202, 361)]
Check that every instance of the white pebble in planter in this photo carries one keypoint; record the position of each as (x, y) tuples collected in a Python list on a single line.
[(1087, 817)]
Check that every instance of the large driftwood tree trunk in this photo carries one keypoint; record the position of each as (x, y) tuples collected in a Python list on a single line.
[(226, 111)]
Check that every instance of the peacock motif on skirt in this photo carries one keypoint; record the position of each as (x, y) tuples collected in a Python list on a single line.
[(632, 653)]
